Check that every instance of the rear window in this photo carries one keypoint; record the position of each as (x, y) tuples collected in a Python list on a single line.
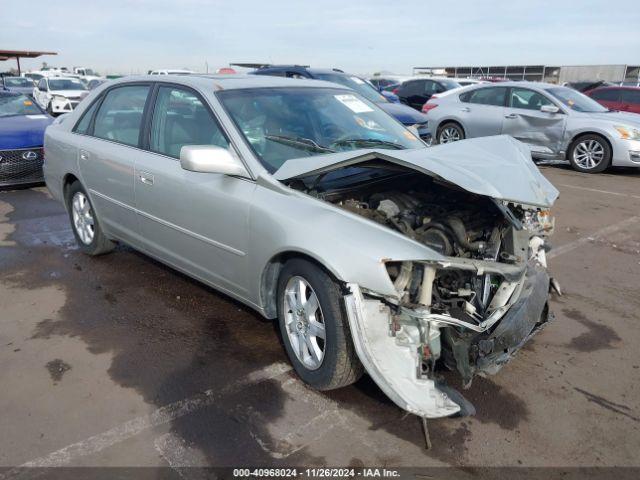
[(495, 96), (120, 115)]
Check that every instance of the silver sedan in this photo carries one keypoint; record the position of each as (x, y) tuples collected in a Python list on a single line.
[(554, 122), (314, 207)]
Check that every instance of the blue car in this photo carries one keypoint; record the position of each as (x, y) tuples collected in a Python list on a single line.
[(17, 84), (22, 125), (404, 114)]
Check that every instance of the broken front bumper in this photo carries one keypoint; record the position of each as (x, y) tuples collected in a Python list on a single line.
[(394, 360)]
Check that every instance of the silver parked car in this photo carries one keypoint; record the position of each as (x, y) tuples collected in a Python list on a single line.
[(555, 122), (311, 205)]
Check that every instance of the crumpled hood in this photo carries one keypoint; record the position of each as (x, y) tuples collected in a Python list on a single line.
[(499, 167), (70, 93)]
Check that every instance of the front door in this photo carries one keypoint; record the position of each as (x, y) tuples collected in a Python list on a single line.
[(197, 222), (541, 131)]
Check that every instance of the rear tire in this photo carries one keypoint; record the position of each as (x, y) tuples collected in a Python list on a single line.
[(84, 222), (334, 363), (450, 132), (590, 154)]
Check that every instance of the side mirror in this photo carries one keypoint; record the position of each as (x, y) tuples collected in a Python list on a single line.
[(549, 109), (210, 159)]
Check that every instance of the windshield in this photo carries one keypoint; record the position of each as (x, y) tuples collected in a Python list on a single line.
[(576, 100), (17, 82), (66, 84), (354, 83), (293, 122), (11, 105)]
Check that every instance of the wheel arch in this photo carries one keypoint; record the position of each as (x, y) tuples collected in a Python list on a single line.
[(450, 120), (271, 273), (67, 181), (576, 136)]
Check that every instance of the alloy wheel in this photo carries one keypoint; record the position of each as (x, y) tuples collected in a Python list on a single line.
[(588, 154), (304, 322), (83, 220), (448, 135)]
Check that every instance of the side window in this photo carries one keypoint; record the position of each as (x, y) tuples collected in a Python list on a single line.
[(527, 99), (83, 125), (631, 96), (179, 119), (411, 88), (120, 116), (495, 96), (42, 85), (607, 95)]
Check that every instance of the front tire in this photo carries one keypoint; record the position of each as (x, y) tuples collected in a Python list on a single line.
[(450, 132), (314, 327), (590, 154), (84, 223)]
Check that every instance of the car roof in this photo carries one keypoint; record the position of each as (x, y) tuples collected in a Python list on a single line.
[(230, 82)]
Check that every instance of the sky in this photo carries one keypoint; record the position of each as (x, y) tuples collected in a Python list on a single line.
[(133, 36)]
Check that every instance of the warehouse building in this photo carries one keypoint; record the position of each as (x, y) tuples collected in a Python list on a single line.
[(628, 74)]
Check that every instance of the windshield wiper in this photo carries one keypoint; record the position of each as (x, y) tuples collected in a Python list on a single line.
[(366, 142), (300, 142)]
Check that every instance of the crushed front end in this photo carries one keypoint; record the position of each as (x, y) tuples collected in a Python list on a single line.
[(469, 311)]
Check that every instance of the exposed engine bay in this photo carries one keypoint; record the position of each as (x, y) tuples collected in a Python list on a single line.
[(492, 254)]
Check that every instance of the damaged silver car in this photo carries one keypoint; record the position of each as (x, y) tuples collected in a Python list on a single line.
[(311, 205)]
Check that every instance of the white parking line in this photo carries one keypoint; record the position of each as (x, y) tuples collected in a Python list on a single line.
[(562, 249), (595, 190), (161, 416), (181, 457)]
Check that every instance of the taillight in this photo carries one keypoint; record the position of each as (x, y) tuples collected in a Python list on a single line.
[(428, 106), (395, 91)]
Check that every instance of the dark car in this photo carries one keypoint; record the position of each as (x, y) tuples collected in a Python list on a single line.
[(407, 116), (624, 99), (17, 84), (417, 91), (22, 125)]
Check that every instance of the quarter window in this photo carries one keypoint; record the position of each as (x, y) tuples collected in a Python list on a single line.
[(120, 116), (495, 96), (527, 99), (180, 119)]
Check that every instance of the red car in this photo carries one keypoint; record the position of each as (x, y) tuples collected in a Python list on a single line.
[(625, 99)]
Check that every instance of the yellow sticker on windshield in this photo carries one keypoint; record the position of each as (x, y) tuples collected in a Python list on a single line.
[(28, 103)]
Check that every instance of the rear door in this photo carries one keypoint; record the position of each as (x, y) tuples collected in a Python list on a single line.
[(630, 100), (197, 222), (608, 97), (482, 111), (524, 120), (108, 142)]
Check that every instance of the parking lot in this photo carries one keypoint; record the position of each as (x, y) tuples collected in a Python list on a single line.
[(118, 360)]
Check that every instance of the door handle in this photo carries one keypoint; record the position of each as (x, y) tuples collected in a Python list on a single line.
[(84, 155), (511, 116), (465, 109), (146, 178)]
